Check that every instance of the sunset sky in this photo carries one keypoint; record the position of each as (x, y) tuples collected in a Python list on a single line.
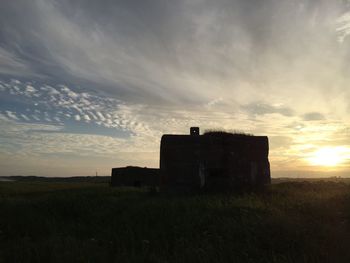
[(90, 85)]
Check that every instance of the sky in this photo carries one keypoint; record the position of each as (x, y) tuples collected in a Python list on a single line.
[(90, 85)]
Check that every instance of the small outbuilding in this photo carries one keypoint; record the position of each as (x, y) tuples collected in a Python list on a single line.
[(214, 160), (135, 176)]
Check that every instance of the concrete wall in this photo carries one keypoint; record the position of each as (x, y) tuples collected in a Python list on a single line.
[(135, 176), (214, 161)]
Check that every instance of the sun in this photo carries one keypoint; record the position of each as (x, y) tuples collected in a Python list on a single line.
[(329, 156)]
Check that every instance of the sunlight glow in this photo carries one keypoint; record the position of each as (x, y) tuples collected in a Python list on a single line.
[(329, 156)]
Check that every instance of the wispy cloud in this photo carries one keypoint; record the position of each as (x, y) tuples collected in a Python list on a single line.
[(183, 52), (313, 116), (343, 26), (259, 108), (119, 74), (14, 65)]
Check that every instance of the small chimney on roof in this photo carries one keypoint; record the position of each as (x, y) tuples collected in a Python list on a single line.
[(194, 131)]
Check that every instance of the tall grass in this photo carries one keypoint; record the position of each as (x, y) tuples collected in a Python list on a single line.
[(287, 222)]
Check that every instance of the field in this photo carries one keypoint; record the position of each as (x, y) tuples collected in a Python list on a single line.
[(92, 222)]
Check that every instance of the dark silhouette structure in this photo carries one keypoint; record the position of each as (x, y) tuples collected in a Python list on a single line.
[(135, 176), (214, 160)]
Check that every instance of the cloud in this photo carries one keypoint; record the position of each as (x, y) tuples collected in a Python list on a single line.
[(11, 115), (62, 106), (133, 70), (178, 53), (25, 117), (343, 26), (29, 91), (11, 64), (100, 115), (87, 118), (280, 142), (41, 139), (313, 116), (259, 108), (77, 117)]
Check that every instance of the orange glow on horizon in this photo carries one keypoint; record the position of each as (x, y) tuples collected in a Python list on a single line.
[(329, 156)]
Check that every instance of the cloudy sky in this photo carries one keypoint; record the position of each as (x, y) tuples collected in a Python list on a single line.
[(89, 85)]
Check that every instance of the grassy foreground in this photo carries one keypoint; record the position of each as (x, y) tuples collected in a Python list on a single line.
[(77, 222)]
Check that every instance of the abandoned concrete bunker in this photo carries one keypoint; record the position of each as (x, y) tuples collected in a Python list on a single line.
[(135, 176), (214, 160)]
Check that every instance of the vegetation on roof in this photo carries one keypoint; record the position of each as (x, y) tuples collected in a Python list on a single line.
[(226, 133)]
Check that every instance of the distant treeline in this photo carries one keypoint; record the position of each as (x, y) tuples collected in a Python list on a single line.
[(107, 179), (75, 179)]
